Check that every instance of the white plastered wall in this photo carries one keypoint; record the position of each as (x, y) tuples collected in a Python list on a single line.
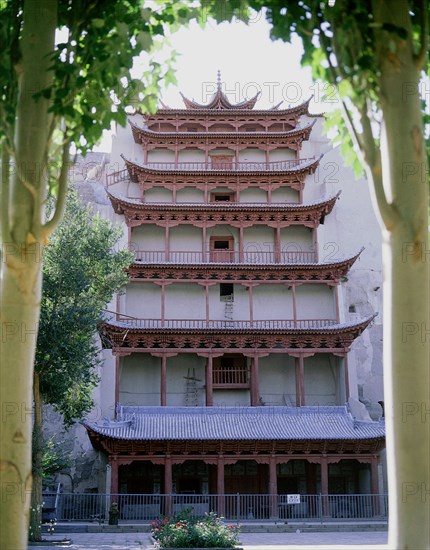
[(272, 302), (143, 300), (315, 301), (322, 380), (277, 380), (185, 303), (148, 237), (139, 380)]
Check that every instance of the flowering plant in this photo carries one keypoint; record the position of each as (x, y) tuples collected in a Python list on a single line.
[(184, 531)]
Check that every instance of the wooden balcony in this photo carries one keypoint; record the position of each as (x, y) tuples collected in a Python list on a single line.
[(230, 378), (224, 256)]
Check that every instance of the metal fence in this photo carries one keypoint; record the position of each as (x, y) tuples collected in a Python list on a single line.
[(234, 507)]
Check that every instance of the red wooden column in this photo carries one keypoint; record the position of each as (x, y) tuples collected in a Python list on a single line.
[(374, 475), (204, 247), (277, 244), (315, 236), (300, 376), (302, 379), (209, 382), (220, 485), (255, 382), (273, 488), (113, 461), (129, 237), (324, 486), (345, 368), (168, 484), (297, 374), (294, 296), (375, 484), (336, 298), (241, 257), (163, 303), (167, 243), (163, 381), (250, 286), (117, 368), (163, 375)]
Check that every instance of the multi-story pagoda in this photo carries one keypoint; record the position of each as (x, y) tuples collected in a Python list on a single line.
[(230, 342)]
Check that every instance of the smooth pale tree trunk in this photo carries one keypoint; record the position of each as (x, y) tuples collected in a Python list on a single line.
[(406, 288), (21, 270), (35, 531)]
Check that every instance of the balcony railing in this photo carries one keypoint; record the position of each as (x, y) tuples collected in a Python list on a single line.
[(224, 376), (224, 256), (147, 507), (276, 166), (223, 324), (242, 166)]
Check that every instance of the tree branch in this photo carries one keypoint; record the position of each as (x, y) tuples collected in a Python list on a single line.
[(50, 225), (370, 151), (421, 56), (4, 195), (387, 212), (355, 136), (372, 156)]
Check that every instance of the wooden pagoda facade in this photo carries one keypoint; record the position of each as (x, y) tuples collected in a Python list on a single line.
[(227, 247)]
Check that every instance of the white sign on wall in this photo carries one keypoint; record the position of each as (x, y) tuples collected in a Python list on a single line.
[(293, 499)]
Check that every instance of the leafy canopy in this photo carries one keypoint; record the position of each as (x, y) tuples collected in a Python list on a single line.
[(346, 45), (96, 45), (81, 272)]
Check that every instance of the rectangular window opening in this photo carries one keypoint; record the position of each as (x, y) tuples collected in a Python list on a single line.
[(226, 289)]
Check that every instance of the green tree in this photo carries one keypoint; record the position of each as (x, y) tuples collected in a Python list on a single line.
[(375, 52), (81, 272), (77, 86)]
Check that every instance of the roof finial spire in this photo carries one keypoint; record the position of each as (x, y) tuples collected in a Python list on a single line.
[(219, 80)]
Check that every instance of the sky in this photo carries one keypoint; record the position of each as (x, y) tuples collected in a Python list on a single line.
[(249, 62)]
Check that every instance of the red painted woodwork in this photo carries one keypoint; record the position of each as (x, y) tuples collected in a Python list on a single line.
[(221, 249)]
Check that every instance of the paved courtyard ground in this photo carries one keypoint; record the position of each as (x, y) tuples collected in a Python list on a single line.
[(250, 541)]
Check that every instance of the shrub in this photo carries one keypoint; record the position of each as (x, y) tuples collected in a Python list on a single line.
[(184, 531)]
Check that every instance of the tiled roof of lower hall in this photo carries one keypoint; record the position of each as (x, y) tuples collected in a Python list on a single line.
[(237, 423)]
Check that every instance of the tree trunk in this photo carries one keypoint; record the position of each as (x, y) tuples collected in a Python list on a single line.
[(35, 531), (406, 287), (21, 269), (21, 291)]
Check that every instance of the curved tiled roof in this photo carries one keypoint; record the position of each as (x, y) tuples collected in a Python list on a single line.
[(302, 108), (283, 326), (224, 206), (220, 101), (139, 130), (237, 423)]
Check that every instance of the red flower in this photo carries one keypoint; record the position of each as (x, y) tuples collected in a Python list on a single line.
[(165, 520), (178, 525), (231, 526)]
